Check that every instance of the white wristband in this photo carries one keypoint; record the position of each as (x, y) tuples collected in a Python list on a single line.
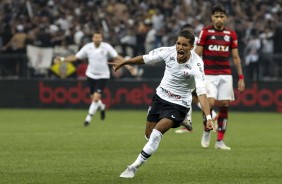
[(208, 117), (62, 59)]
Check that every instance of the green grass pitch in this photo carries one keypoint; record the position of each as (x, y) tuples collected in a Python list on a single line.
[(52, 146)]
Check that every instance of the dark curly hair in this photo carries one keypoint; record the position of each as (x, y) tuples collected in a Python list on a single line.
[(218, 8), (188, 34)]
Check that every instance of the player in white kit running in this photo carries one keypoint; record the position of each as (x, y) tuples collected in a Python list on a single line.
[(98, 73), (183, 73)]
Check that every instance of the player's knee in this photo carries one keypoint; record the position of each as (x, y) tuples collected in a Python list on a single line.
[(211, 102), (223, 103), (212, 105), (95, 98)]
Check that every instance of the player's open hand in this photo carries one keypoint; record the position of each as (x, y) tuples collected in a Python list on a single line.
[(116, 65), (210, 125), (241, 86)]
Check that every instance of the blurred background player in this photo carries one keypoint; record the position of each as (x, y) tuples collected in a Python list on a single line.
[(170, 104), (216, 43), (98, 73), (188, 118)]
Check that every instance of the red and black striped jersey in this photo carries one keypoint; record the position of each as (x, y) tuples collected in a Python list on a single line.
[(217, 46)]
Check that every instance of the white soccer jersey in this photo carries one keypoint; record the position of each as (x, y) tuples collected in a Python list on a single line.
[(98, 67), (179, 80)]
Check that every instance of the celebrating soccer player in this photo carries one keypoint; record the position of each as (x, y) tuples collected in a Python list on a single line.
[(184, 72)]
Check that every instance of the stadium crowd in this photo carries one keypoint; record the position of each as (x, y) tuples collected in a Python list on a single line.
[(137, 26)]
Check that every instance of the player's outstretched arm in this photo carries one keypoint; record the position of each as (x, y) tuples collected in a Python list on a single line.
[(132, 61), (132, 70), (199, 50)]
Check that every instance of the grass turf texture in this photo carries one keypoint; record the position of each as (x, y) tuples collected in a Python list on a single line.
[(52, 146)]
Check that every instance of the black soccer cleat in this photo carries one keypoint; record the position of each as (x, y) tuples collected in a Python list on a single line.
[(86, 123)]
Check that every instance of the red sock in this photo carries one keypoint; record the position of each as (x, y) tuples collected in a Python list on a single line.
[(222, 122)]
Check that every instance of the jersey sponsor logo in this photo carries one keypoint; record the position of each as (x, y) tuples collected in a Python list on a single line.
[(170, 94), (218, 48), (226, 38), (211, 31), (226, 32)]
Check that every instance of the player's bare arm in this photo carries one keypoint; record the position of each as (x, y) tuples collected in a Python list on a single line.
[(199, 50), (132, 61), (206, 109), (132, 70), (237, 63), (65, 59)]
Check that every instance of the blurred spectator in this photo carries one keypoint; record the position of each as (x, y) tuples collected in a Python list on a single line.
[(17, 45), (142, 30), (252, 58), (128, 42), (150, 38), (18, 41), (267, 48), (51, 23)]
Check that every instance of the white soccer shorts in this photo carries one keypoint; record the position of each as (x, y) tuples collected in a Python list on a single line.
[(220, 87)]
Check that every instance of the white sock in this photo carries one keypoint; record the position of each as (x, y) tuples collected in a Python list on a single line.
[(101, 105), (92, 109), (149, 148)]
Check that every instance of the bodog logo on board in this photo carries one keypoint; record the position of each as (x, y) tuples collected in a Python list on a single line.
[(264, 97), (251, 98), (140, 95)]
